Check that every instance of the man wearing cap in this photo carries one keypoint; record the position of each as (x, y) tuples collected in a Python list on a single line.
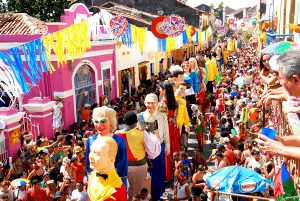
[(154, 121), (137, 163)]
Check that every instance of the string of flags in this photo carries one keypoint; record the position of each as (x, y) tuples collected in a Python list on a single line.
[(167, 33)]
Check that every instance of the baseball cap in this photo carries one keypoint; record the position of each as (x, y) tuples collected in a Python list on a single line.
[(87, 105)]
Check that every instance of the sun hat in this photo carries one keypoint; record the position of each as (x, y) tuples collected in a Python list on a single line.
[(77, 149)]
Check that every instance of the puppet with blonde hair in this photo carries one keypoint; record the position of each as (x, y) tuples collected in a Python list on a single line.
[(105, 123)]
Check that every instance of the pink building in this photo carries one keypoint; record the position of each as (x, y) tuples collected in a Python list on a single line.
[(81, 81)]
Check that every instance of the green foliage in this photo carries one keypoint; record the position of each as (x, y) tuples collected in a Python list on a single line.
[(211, 5), (45, 10), (216, 14), (220, 5)]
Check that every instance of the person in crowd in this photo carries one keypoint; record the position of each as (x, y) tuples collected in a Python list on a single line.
[(20, 193), (169, 105), (256, 161), (85, 112), (137, 162), (213, 122), (182, 189), (198, 160), (145, 195), (182, 116), (156, 122), (187, 166), (36, 192), (198, 183), (200, 129), (57, 114), (105, 122), (79, 194), (288, 77)]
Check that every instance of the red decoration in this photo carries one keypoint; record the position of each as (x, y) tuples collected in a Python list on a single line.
[(155, 28), (118, 25), (266, 25), (192, 31), (231, 21), (173, 25)]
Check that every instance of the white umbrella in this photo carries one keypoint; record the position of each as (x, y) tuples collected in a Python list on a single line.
[(240, 81)]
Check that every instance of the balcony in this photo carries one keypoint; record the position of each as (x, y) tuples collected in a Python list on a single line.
[(290, 125)]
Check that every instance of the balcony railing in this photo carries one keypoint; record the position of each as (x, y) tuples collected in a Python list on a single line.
[(290, 125)]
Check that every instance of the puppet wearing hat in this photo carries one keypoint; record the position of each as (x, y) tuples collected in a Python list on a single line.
[(104, 183)]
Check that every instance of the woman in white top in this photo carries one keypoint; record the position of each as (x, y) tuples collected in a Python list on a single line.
[(57, 114), (182, 190)]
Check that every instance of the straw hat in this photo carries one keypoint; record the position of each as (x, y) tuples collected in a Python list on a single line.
[(56, 98)]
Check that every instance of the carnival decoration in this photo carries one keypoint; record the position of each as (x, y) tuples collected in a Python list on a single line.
[(156, 28), (294, 27), (243, 24), (9, 83), (237, 179), (231, 21), (173, 25), (191, 30), (139, 35), (118, 25)]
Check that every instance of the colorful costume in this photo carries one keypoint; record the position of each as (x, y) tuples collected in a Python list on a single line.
[(174, 135), (137, 163), (121, 162), (157, 123), (106, 189)]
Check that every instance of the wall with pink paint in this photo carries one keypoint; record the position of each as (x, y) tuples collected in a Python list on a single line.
[(61, 80)]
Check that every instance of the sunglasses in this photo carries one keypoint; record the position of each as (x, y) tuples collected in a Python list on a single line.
[(103, 121)]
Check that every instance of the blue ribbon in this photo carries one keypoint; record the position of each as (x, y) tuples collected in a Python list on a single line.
[(162, 45), (184, 37), (16, 69), (44, 62), (34, 71), (127, 37), (197, 37)]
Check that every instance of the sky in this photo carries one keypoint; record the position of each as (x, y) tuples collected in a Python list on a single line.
[(235, 4)]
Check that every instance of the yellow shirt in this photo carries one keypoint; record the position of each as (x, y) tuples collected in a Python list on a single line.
[(182, 116), (100, 189), (212, 70), (135, 141)]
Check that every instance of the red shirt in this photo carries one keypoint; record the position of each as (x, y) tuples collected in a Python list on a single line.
[(230, 156), (79, 171), (37, 195)]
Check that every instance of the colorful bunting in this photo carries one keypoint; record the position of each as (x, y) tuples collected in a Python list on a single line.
[(170, 44)]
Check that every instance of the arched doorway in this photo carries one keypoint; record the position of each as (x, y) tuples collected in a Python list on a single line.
[(85, 88)]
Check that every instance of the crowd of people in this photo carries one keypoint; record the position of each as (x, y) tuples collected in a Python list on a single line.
[(223, 97)]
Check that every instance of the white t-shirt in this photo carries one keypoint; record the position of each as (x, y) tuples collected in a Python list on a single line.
[(79, 196), (253, 163)]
